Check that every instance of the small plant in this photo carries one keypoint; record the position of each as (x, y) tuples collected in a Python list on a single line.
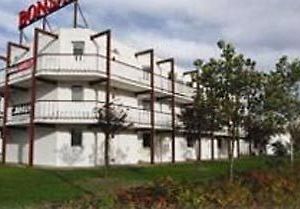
[(279, 149)]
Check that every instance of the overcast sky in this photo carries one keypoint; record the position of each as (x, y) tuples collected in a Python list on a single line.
[(185, 29)]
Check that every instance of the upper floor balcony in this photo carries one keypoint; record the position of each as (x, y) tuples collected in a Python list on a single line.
[(84, 112), (92, 68)]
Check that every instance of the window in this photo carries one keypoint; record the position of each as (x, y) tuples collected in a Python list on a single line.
[(146, 140), (76, 138), (190, 141), (78, 49), (146, 73), (219, 143), (77, 93)]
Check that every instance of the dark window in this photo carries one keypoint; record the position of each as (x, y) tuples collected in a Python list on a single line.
[(78, 49), (76, 138), (146, 140), (77, 93), (191, 141), (219, 143)]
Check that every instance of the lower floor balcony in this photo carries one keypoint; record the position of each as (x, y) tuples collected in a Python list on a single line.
[(84, 112)]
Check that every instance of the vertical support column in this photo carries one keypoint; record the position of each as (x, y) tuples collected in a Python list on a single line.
[(21, 36), (6, 100), (212, 146), (152, 108), (44, 23), (172, 65), (33, 100), (250, 148), (238, 147), (75, 20), (173, 110), (108, 90), (106, 33), (152, 98), (7, 95), (33, 92)]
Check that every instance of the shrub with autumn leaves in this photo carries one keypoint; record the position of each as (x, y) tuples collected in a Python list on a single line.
[(253, 190)]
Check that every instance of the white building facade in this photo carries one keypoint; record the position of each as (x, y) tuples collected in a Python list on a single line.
[(54, 86)]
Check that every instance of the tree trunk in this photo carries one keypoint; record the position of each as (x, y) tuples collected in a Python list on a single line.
[(238, 147), (292, 153), (199, 148), (231, 175), (250, 148), (107, 148), (212, 140)]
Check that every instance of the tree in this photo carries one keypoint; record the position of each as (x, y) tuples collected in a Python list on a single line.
[(202, 117), (116, 123), (288, 74), (262, 120), (235, 77)]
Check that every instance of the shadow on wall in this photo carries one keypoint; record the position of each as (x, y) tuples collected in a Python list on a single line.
[(70, 155), (21, 148), (163, 149), (120, 156), (188, 153)]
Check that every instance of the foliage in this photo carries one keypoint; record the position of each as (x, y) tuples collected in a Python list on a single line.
[(255, 189), (111, 120), (279, 149)]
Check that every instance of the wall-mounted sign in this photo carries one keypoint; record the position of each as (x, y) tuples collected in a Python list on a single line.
[(21, 109), (40, 10)]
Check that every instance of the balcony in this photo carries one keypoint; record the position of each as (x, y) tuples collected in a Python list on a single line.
[(82, 112), (92, 67)]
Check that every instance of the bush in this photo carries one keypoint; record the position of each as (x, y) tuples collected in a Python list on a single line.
[(279, 149), (256, 189)]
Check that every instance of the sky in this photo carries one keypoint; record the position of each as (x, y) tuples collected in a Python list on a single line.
[(184, 29)]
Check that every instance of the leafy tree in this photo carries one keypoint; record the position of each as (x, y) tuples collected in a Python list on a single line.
[(203, 117), (262, 120), (235, 72), (111, 125), (288, 74)]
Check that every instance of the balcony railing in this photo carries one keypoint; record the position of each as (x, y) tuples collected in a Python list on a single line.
[(83, 112), (94, 64)]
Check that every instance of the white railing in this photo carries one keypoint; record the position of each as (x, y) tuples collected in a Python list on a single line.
[(21, 70), (18, 113), (83, 111), (59, 64), (68, 63), (65, 110)]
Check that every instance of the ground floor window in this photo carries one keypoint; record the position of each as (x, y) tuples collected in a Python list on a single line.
[(146, 139), (190, 141), (76, 138), (219, 143)]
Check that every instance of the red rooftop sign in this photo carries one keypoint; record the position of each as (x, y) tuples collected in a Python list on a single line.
[(40, 10)]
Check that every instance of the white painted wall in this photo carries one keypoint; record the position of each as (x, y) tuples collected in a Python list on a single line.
[(17, 147)]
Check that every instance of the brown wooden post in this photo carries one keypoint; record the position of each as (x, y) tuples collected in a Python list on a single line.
[(6, 98), (10, 45), (250, 148), (33, 92), (212, 141), (238, 147), (44, 23), (152, 95), (75, 20), (33, 100), (172, 65), (106, 33), (21, 36)]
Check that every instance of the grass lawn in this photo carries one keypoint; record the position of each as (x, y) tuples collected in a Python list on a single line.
[(23, 187)]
